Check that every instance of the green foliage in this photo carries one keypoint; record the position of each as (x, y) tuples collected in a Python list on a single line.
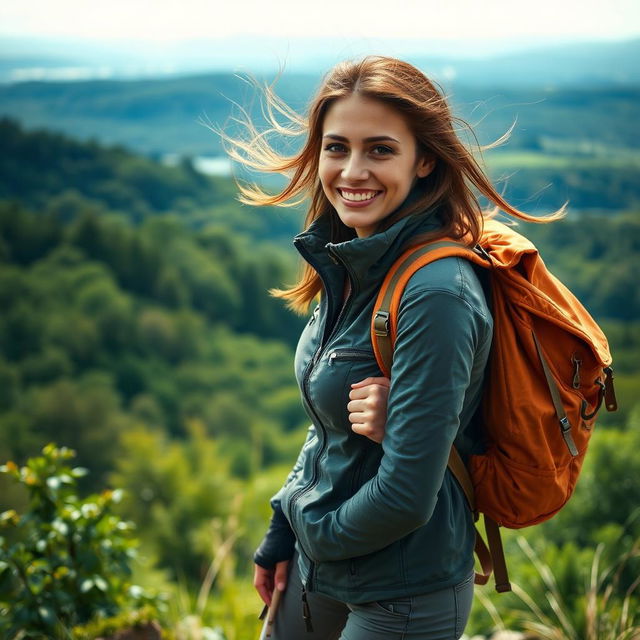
[(573, 594), (66, 560), (117, 323), (175, 495)]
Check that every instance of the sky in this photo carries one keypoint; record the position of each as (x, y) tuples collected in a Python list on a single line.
[(82, 39), (449, 20)]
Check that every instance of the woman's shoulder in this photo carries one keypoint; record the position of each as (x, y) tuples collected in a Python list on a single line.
[(452, 276)]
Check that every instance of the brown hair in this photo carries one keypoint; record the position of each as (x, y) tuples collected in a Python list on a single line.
[(407, 89)]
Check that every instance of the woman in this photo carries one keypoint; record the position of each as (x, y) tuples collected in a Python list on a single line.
[(371, 538)]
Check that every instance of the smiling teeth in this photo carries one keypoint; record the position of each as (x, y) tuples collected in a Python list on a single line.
[(357, 197)]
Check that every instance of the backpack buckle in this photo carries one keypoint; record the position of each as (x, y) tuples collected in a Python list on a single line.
[(381, 324), (565, 428)]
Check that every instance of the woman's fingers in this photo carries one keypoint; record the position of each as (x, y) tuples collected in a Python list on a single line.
[(266, 580), (373, 397), (371, 380), (366, 430), (371, 393), (367, 407), (358, 416), (281, 575), (263, 581)]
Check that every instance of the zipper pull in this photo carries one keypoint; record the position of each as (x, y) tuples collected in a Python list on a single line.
[(332, 356), (306, 611), (576, 370)]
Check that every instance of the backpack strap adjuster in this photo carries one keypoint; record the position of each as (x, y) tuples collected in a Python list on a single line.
[(381, 324)]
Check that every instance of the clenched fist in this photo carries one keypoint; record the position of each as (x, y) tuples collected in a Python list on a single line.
[(368, 407)]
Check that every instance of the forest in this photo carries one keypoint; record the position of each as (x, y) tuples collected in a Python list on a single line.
[(138, 331)]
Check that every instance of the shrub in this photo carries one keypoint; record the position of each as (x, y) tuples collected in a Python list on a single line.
[(66, 560)]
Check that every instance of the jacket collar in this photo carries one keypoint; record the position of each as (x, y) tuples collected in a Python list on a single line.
[(367, 259)]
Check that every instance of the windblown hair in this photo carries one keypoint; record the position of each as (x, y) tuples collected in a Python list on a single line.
[(425, 109)]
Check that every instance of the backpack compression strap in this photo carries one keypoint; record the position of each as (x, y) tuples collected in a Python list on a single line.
[(383, 335)]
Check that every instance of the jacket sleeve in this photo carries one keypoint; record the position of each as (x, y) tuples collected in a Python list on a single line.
[(279, 541), (442, 342)]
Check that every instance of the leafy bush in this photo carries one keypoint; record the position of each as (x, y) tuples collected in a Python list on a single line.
[(66, 560)]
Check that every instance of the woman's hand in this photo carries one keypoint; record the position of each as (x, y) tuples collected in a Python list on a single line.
[(265, 580), (368, 407)]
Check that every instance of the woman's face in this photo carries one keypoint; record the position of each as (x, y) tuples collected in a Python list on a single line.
[(368, 161)]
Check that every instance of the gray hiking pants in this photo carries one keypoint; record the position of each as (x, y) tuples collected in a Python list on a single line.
[(439, 615)]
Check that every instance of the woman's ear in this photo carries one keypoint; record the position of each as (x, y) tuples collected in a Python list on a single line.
[(426, 164)]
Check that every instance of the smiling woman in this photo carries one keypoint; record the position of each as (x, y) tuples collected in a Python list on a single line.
[(385, 92), (365, 175), (380, 535)]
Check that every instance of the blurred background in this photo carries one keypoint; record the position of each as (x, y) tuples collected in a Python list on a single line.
[(135, 323)]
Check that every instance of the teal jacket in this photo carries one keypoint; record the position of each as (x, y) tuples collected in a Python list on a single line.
[(374, 521)]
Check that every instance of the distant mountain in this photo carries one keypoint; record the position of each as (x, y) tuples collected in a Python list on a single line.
[(472, 62), (155, 116), (575, 65), (164, 116)]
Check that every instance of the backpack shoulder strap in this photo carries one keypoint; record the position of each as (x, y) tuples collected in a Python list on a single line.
[(385, 310), (383, 334)]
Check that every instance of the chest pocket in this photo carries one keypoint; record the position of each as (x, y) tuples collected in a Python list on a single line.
[(330, 383)]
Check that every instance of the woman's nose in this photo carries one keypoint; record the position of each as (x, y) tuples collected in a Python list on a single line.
[(355, 168)]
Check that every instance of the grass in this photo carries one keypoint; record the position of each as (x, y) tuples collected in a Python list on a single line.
[(607, 610)]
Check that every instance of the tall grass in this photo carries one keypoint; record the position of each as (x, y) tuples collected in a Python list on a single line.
[(608, 609)]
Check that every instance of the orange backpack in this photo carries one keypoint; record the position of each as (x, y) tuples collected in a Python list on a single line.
[(548, 373)]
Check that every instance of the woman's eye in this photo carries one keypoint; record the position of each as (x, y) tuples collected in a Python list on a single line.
[(334, 146), (382, 150)]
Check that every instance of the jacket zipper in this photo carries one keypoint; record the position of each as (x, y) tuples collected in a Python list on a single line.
[(314, 315), (305, 390), (349, 354), (357, 476)]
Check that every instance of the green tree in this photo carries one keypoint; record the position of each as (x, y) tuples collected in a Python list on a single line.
[(176, 491)]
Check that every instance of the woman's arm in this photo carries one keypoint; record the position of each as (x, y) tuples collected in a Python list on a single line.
[(277, 546), (279, 541), (442, 345)]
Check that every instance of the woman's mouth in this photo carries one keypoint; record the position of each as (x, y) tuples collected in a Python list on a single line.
[(358, 197)]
